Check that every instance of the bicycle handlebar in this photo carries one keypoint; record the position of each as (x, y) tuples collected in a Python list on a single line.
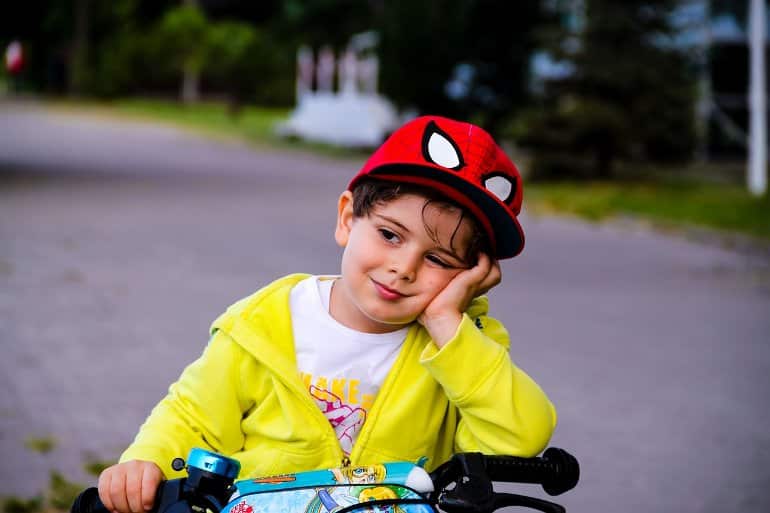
[(88, 502), (558, 471)]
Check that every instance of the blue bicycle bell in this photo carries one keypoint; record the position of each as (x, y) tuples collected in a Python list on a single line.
[(213, 463)]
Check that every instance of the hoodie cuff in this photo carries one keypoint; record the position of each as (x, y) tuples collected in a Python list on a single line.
[(465, 362)]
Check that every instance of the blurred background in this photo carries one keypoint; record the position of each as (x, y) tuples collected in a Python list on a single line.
[(161, 159), (541, 73)]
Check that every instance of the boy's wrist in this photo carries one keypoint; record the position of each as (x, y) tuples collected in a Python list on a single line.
[(441, 327)]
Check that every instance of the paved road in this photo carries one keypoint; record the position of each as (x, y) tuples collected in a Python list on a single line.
[(120, 242)]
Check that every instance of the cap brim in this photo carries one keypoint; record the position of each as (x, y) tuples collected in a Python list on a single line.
[(504, 229)]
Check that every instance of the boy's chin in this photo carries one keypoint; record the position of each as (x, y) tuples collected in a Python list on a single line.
[(394, 324)]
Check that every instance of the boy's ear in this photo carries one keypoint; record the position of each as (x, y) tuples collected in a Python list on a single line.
[(344, 218)]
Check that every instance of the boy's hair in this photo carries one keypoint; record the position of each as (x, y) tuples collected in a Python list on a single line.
[(369, 193)]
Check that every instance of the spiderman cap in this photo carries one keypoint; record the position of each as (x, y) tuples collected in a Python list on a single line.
[(462, 162)]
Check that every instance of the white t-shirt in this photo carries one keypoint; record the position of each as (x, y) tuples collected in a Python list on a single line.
[(342, 368)]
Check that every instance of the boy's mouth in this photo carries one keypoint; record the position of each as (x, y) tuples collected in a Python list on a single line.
[(386, 292)]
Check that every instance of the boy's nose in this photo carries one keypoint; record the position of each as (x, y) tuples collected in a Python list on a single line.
[(406, 275), (405, 268)]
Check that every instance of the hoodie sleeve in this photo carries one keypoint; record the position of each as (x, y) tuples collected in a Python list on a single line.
[(203, 408), (502, 410)]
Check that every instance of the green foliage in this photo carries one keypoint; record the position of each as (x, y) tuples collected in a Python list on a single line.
[(42, 445), (95, 467), (323, 22), (61, 492), (125, 61), (229, 44), (419, 47), (461, 58), (247, 64), (20, 505), (183, 33), (59, 497)]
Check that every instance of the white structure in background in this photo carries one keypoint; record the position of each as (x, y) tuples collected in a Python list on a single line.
[(757, 161), (304, 71), (355, 115), (325, 71)]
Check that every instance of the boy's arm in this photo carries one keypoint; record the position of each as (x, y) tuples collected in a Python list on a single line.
[(502, 410), (203, 408)]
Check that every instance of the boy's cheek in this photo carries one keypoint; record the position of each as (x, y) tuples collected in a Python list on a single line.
[(440, 282)]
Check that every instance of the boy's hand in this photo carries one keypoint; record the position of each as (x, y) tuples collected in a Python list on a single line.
[(130, 487), (442, 316)]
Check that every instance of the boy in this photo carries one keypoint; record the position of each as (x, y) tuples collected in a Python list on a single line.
[(394, 359)]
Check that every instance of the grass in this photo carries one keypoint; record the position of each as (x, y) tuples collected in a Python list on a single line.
[(255, 125), (672, 203), (710, 196)]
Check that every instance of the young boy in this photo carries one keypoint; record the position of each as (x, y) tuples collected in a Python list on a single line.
[(395, 359)]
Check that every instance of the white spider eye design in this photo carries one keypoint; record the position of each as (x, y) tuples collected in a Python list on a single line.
[(500, 186), (440, 149)]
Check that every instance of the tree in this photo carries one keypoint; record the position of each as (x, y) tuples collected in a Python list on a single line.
[(630, 94), (497, 44), (419, 47), (183, 33), (241, 59), (324, 22), (461, 58)]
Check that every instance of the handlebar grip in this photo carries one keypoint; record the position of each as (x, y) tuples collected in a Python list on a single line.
[(88, 502), (558, 471)]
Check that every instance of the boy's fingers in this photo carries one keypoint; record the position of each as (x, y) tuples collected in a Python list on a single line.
[(150, 481), (103, 486), (494, 277), (484, 263), (491, 274), (134, 488), (476, 274), (118, 490)]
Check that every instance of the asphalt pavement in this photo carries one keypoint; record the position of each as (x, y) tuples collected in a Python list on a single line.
[(121, 241)]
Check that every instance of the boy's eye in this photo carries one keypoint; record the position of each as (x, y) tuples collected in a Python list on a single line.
[(388, 235), (438, 261)]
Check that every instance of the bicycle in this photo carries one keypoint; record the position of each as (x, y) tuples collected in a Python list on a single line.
[(464, 484)]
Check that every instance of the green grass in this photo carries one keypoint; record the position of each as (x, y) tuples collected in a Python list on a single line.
[(672, 203), (252, 124)]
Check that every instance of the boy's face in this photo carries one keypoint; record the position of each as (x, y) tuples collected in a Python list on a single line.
[(396, 260)]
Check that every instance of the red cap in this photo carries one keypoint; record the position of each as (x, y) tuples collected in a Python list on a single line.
[(462, 162)]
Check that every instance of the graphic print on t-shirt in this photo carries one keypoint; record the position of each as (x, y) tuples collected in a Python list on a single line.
[(341, 403)]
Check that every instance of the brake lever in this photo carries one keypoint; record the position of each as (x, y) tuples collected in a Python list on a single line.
[(473, 493), (503, 500)]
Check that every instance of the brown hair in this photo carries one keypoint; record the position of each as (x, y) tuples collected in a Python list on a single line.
[(369, 193)]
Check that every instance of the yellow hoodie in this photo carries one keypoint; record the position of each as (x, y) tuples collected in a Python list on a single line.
[(244, 398)]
